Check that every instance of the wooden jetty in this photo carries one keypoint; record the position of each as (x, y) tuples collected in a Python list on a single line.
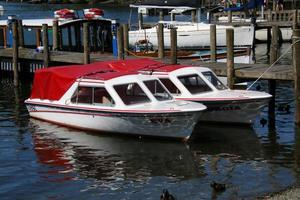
[(53, 56)]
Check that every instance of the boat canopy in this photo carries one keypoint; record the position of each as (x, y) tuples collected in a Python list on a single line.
[(52, 83)]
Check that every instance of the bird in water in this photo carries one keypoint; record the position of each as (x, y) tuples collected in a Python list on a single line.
[(218, 187), (166, 195), (263, 122), (284, 107)]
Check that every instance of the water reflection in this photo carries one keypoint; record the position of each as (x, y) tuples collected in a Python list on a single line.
[(233, 155)]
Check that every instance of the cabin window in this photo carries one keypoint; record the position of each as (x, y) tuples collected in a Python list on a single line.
[(170, 86), (131, 93), (92, 95), (194, 83), (214, 80), (101, 97), (158, 91)]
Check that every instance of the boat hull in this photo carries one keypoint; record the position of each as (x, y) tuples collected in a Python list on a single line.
[(177, 125), (235, 112), (262, 35), (194, 39)]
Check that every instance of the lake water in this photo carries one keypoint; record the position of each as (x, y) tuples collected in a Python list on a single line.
[(39, 160)]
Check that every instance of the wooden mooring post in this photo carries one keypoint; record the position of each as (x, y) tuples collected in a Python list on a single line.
[(213, 43), (272, 83), (86, 42), (120, 43), (15, 53), (140, 16), (45, 45), (161, 15), (55, 35), (230, 57), (160, 39), (229, 16), (126, 39), (295, 19), (173, 37), (20, 33), (296, 66), (193, 16)]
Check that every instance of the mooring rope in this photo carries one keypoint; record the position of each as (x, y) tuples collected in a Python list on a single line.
[(275, 61)]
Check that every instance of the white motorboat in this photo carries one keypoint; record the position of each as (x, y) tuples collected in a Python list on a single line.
[(94, 97), (261, 34), (200, 84), (193, 35)]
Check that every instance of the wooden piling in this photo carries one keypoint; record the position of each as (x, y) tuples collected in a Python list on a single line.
[(295, 19), (120, 43), (15, 53), (274, 44), (213, 42), (140, 16), (4, 37), (296, 66), (269, 15), (126, 39), (230, 57), (173, 37), (20, 33), (161, 15), (172, 17), (45, 45), (86, 42), (38, 37), (229, 16), (55, 34), (193, 16), (272, 83), (160, 39)]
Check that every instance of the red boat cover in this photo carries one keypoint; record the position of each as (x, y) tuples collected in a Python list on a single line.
[(52, 83)]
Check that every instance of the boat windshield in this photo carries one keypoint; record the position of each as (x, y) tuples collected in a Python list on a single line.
[(194, 83), (211, 77), (158, 91), (131, 93), (170, 86)]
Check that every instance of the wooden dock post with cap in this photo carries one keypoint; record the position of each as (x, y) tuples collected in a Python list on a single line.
[(160, 39), (213, 43), (45, 45), (15, 53), (173, 34), (296, 66), (230, 57), (86, 42)]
